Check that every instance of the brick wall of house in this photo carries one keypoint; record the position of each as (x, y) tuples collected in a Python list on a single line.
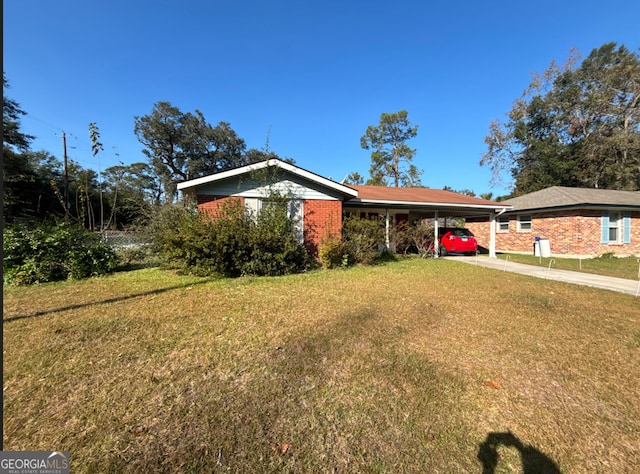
[(575, 232), (321, 218), (212, 205)]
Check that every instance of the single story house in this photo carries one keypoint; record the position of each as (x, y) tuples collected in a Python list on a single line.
[(317, 204), (579, 222)]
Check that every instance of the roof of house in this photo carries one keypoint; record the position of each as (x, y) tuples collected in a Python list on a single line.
[(563, 197), (308, 175), (420, 196), (422, 199)]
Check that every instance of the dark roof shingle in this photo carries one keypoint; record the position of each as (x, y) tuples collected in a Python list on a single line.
[(560, 196)]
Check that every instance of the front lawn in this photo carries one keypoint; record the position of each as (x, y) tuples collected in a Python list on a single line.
[(414, 366)]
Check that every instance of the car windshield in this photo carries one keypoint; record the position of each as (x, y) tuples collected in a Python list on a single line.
[(461, 233)]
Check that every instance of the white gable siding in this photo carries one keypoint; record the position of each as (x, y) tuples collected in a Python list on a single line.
[(297, 189)]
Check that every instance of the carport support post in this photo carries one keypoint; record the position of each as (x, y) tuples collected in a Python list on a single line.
[(387, 243), (492, 235), (436, 246)]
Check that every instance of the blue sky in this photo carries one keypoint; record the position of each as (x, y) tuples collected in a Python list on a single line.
[(311, 75)]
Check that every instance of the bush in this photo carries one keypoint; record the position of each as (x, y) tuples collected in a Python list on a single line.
[(183, 238), (333, 253), (362, 238), (417, 237), (231, 245), (136, 256), (54, 252), (274, 247)]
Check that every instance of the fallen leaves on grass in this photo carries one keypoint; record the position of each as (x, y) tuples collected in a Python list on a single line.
[(492, 383), (280, 448), (138, 431)]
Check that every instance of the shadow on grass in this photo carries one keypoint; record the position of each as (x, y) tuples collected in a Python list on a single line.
[(343, 395), (95, 303), (533, 460)]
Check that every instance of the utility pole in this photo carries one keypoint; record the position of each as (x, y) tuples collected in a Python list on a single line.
[(66, 178)]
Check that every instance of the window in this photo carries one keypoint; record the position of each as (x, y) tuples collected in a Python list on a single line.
[(616, 227), (252, 207), (524, 223), (503, 224), (615, 231), (459, 232), (294, 207), (294, 212)]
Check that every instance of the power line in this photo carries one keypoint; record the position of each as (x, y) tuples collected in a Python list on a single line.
[(36, 119), (82, 154)]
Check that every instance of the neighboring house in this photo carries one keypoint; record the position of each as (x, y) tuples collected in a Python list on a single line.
[(577, 221), (317, 204)]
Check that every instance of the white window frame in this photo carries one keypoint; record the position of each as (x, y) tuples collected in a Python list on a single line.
[(295, 211), (503, 225), (252, 207), (521, 221), (616, 220)]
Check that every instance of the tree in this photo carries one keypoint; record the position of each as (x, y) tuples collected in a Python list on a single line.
[(466, 192), (96, 147), (183, 146), (254, 155), (18, 174), (573, 126), (354, 178), (131, 191), (11, 112), (391, 156)]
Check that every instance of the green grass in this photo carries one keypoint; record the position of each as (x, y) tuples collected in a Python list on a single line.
[(620, 267), (413, 366)]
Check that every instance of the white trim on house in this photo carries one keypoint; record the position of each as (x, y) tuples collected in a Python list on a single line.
[(528, 227), (502, 224), (422, 204), (254, 189), (314, 178)]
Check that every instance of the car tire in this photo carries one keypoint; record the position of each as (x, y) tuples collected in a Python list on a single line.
[(443, 251)]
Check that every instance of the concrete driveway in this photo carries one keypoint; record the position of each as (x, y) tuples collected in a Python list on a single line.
[(631, 287)]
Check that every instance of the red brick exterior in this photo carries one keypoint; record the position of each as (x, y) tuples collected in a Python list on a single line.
[(571, 232), (212, 205), (321, 219)]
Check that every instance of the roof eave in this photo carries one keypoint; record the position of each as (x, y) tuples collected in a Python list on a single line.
[(566, 207), (345, 190), (492, 207)]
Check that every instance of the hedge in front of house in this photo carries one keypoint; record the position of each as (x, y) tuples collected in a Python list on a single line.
[(53, 252), (231, 245)]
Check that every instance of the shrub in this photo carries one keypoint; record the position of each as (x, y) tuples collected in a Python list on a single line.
[(54, 252), (274, 247), (135, 257), (333, 253), (362, 238), (417, 237), (233, 244), (183, 238)]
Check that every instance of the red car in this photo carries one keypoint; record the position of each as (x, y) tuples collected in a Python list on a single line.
[(457, 240)]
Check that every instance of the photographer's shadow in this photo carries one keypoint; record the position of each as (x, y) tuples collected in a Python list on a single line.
[(533, 460)]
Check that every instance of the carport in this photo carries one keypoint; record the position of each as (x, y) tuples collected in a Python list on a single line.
[(410, 204)]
